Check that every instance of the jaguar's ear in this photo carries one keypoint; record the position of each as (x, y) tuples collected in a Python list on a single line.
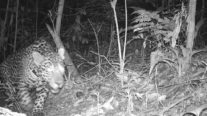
[(61, 52), (38, 58)]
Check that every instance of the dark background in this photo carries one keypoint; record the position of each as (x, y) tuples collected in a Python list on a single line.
[(78, 36), (76, 32)]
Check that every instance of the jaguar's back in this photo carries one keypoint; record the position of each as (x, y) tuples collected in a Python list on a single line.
[(37, 69)]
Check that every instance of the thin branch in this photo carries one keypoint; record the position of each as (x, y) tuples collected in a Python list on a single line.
[(111, 40), (125, 35), (113, 5), (5, 20), (36, 22), (3, 27), (16, 26), (96, 36)]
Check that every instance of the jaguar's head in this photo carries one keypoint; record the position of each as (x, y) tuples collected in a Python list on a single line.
[(51, 69)]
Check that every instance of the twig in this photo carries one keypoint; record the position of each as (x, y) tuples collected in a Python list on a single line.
[(3, 27), (97, 42), (36, 18), (111, 40), (16, 26), (103, 57), (113, 5), (125, 34), (172, 105)]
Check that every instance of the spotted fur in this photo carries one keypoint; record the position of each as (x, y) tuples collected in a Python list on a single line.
[(33, 72)]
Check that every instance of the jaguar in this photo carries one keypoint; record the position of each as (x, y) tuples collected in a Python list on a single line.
[(34, 72)]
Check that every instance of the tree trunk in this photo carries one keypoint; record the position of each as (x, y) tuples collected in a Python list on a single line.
[(72, 71), (191, 24), (187, 52), (55, 103)]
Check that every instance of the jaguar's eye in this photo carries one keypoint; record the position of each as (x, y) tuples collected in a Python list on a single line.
[(49, 66)]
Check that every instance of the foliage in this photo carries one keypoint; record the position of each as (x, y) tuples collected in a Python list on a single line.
[(165, 29), (159, 25)]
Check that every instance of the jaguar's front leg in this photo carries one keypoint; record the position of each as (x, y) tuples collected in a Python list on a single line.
[(41, 96)]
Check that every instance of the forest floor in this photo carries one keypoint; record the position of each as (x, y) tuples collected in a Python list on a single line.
[(162, 93)]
